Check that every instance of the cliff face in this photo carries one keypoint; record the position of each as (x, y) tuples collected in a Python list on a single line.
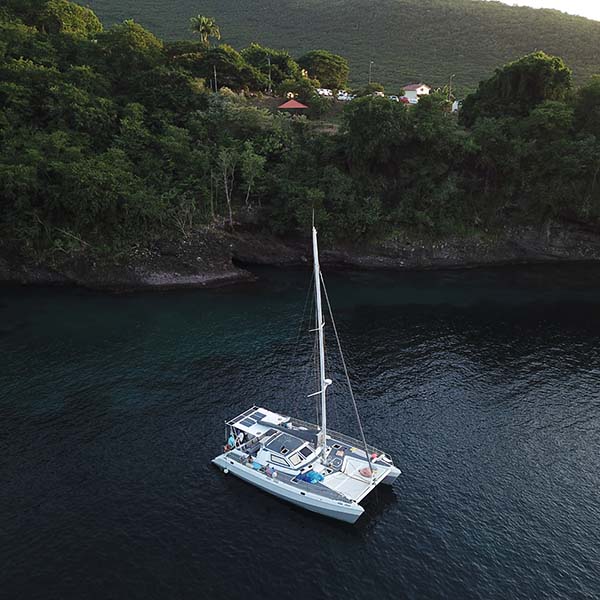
[(213, 257), (203, 260)]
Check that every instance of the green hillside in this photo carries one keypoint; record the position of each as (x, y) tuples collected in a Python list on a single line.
[(407, 39), (110, 142)]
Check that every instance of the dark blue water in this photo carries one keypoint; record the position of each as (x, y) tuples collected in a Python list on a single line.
[(483, 385)]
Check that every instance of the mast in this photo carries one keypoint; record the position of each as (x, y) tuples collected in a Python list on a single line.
[(320, 324)]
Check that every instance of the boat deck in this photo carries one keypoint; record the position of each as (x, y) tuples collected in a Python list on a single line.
[(341, 469), (313, 488)]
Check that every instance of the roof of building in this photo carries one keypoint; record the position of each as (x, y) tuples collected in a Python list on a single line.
[(292, 104), (412, 87)]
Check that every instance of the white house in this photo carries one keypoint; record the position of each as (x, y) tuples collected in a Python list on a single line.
[(413, 91)]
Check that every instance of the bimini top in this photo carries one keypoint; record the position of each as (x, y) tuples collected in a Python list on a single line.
[(257, 421)]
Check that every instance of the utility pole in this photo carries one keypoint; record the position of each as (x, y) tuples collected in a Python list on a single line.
[(450, 87), (270, 82), (371, 63), (215, 73)]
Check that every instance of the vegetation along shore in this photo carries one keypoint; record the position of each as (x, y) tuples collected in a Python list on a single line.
[(130, 162)]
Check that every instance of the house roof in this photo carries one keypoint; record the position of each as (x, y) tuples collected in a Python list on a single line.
[(292, 104), (413, 87)]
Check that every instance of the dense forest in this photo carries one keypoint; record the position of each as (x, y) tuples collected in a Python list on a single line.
[(111, 138), (408, 40)]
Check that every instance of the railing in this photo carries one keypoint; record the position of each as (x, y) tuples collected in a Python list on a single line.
[(286, 478), (241, 416), (339, 436)]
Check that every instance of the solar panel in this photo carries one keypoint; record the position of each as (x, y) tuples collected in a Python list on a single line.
[(247, 422), (258, 415)]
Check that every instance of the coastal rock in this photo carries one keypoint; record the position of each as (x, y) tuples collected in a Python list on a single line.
[(214, 257)]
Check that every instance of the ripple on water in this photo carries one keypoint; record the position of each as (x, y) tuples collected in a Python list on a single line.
[(484, 386)]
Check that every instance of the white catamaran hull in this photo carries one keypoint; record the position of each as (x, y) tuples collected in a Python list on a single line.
[(342, 511), (391, 476)]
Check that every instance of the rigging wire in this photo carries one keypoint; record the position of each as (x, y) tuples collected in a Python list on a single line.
[(330, 367), (308, 295), (339, 345), (315, 372), (303, 373)]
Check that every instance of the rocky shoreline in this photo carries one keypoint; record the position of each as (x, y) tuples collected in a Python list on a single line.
[(215, 257)]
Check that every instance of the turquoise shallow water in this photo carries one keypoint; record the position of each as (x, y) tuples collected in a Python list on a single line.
[(483, 385)]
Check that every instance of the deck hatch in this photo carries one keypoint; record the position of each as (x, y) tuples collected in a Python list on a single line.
[(295, 459), (248, 422), (284, 441)]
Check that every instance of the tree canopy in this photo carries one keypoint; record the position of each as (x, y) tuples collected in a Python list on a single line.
[(409, 40), (517, 88), (205, 28), (277, 65), (110, 140), (587, 107), (331, 70)]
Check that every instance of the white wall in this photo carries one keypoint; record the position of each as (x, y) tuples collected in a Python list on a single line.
[(413, 95)]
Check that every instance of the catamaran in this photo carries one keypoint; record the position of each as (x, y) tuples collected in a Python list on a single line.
[(306, 464)]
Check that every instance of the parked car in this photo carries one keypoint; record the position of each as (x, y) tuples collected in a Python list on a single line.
[(394, 98), (344, 96), (325, 92)]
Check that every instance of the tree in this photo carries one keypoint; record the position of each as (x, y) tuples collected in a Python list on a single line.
[(205, 28), (167, 89), (518, 87), (370, 89), (275, 65), (252, 166), (304, 89), (62, 16), (330, 69), (227, 161), (375, 131), (232, 70), (587, 107), (129, 48)]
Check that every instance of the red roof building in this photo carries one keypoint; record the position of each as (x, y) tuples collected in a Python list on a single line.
[(292, 105), (413, 87), (414, 91)]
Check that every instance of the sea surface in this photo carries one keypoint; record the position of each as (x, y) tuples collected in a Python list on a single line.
[(483, 385)]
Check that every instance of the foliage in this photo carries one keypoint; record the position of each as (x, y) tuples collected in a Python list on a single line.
[(409, 40), (232, 70), (276, 65), (587, 107), (62, 16), (127, 49), (331, 70), (205, 28), (370, 89), (518, 87), (113, 138)]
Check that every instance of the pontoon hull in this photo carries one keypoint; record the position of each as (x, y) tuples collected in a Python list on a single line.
[(392, 476), (348, 512)]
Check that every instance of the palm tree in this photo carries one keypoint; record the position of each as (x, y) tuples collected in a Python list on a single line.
[(205, 27)]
